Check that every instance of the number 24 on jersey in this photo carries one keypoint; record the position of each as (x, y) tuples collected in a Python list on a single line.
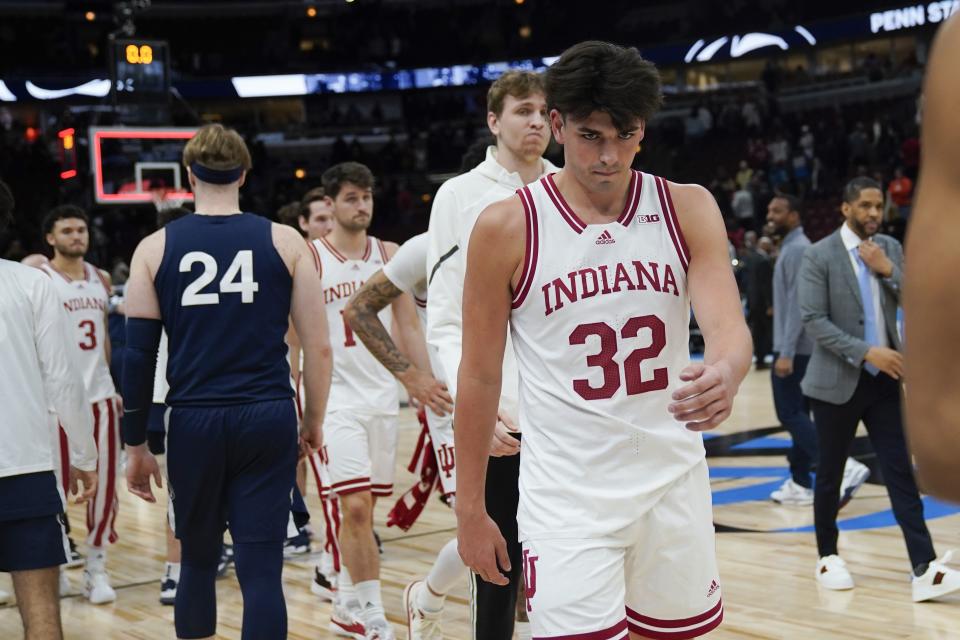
[(237, 279)]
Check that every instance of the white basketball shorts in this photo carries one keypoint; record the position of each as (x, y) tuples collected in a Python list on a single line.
[(657, 578), (362, 451)]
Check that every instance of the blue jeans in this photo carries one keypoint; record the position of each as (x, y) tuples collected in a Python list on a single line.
[(793, 411)]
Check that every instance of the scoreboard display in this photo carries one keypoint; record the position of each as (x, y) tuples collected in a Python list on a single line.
[(140, 71)]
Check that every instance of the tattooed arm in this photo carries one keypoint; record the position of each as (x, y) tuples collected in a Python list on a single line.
[(361, 314)]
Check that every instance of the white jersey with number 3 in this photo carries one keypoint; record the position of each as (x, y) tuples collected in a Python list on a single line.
[(86, 302), (600, 324), (359, 383)]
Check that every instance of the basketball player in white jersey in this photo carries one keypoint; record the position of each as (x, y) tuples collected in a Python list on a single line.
[(360, 429), (38, 372), (85, 293), (517, 117), (407, 273), (595, 268)]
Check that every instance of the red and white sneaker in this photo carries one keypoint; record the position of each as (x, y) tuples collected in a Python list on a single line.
[(345, 622), (421, 624)]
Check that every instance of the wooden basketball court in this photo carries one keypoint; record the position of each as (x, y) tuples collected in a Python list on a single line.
[(767, 573)]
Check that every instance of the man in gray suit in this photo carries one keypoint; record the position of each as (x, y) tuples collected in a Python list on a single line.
[(849, 292)]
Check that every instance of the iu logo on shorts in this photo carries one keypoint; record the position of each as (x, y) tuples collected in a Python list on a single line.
[(447, 460), (530, 577)]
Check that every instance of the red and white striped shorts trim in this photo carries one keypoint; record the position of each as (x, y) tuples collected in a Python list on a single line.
[(677, 629), (616, 632)]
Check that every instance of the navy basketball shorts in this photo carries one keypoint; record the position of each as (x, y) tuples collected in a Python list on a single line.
[(157, 429), (233, 464), (31, 531)]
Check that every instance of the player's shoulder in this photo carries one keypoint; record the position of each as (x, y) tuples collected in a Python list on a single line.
[(503, 218), (390, 248), (23, 273), (690, 199)]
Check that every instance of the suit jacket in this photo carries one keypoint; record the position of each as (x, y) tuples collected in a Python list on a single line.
[(832, 312)]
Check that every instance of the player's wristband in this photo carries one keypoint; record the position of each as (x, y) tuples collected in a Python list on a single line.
[(139, 367)]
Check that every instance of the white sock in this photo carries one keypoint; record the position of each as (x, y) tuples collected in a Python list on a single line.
[(96, 559), (345, 589), (522, 630), (446, 571), (172, 571), (371, 604)]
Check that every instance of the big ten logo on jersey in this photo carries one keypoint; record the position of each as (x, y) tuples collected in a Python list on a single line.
[(529, 577), (447, 459), (648, 218), (238, 278)]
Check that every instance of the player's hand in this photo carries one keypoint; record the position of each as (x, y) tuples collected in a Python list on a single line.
[(80, 477), (427, 391), (310, 439), (889, 361), (707, 400), (874, 257), (783, 367), (481, 546), (503, 444), (141, 466)]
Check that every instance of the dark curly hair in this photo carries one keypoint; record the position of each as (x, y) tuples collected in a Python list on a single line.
[(600, 76)]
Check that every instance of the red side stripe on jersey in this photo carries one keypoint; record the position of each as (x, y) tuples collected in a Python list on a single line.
[(329, 247), (639, 618), (611, 633), (420, 303), (630, 208), (671, 629), (111, 475), (670, 224), (676, 221), (368, 250), (566, 212), (531, 250), (100, 276), (316, 258), (383, 250)]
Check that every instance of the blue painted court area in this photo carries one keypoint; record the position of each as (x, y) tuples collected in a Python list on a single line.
[(774, 476)]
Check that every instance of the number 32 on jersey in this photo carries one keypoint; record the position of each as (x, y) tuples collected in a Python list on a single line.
[(237, 279)]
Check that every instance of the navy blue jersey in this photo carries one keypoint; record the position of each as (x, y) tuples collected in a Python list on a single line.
[(224, 295)]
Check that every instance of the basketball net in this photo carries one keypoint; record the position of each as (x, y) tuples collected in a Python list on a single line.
[(163, 200)]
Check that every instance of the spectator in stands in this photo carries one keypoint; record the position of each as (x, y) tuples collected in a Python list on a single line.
[(779, 149), (910, 154), (742, 206), (744, 174), (858, 144), (806, 141), (901, 192)]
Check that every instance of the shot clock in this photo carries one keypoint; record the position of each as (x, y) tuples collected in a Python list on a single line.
[(140, 71)]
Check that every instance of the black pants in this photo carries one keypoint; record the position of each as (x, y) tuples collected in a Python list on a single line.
[(761, 328), (876, 401), (496, 605)]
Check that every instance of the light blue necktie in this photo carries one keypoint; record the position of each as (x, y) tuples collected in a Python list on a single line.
[(869, 314)]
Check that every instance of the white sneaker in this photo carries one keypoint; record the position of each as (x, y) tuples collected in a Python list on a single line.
[(832, 573), (938, 580), (96, 587), (380, 631), (345, 622), (792, 493), (323, 586), (854, 475), (421, 625)]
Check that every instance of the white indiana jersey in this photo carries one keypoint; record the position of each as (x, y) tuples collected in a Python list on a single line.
[(407, 270), (600, 325), (86, 302), (360, 383)]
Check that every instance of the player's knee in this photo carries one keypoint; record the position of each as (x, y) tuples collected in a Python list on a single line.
[(200, 552), (356, 509)]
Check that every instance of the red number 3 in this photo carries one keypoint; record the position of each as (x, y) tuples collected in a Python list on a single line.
[(90, 333), (631, 364)]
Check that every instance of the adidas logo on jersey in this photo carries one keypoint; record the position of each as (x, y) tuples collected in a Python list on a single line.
[(605, 238), (714, 587), (647, 219)]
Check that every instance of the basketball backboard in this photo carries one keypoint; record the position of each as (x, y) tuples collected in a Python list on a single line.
[(130, 165)]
